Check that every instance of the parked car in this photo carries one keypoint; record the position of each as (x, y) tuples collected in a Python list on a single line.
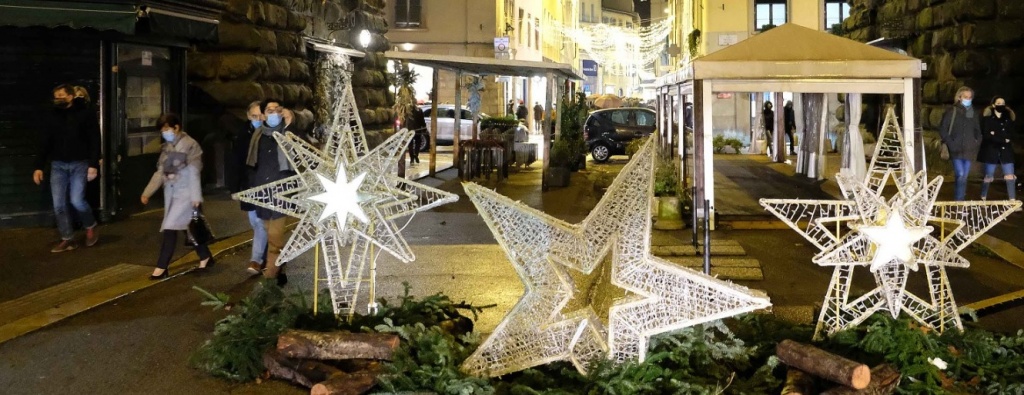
[(446, 123), (608, 132)]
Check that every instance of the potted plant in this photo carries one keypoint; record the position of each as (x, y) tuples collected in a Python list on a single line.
[(559, 166), (666, 193)]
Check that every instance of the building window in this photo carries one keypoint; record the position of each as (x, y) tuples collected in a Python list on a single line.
[(520, 24), (769, 12), (536, 33), (407, 14), (835, 12)]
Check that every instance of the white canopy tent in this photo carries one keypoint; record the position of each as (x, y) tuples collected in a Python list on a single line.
[(788, 58)]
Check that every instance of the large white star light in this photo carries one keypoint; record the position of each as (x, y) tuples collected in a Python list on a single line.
[(891, 236), (337, 212), (572, 289)]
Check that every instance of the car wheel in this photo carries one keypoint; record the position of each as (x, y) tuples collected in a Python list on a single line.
[(600, 153)]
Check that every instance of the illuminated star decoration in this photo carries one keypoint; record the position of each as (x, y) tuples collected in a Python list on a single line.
[(874, 239), (336, 212), (559, 316), (893, 239)]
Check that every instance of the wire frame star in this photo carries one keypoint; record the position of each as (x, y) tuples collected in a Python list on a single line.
[(337, 212), (572, 287), (891, 236)]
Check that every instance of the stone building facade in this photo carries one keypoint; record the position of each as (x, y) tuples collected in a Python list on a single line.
[(264, 51), (976, 43)]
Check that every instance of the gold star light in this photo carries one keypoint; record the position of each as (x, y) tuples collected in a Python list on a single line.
[(335, 211), (572, 289), (891, 236)]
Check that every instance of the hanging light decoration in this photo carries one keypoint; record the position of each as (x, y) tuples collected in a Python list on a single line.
[(620, 50)]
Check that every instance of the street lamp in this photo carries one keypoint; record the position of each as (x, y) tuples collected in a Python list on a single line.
[(364, 38)]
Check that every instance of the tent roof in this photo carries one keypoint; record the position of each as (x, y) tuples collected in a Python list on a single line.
[(791, 51), (486, 66)]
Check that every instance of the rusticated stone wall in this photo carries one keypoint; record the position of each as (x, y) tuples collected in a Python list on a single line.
[(261, 53), (977, 43)]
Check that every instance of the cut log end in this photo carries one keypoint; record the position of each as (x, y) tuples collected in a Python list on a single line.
[(861, 377)]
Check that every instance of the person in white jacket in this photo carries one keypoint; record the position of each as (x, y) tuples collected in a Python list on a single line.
[(178, 173)]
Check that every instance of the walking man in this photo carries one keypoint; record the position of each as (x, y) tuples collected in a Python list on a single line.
[(71, 143), (538, 116), (271, 165)]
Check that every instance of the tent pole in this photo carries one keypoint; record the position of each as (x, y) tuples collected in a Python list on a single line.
[(457, 130), (909, 135), (779, 151), (433, 121)]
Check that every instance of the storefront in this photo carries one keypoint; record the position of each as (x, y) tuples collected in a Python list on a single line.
[(131, 57)]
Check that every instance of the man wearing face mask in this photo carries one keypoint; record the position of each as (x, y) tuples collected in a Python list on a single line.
[(270, 164), (71, 143), (243, 179)]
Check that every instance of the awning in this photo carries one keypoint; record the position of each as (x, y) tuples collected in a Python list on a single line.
[(77, 15), (175, 24), (486, 66)]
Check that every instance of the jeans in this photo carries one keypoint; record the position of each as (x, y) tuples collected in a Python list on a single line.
[(960, 169), (68, 179), (1011, 182), (259, 238)]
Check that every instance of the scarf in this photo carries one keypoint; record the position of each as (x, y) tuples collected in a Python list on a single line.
[(254, 146)]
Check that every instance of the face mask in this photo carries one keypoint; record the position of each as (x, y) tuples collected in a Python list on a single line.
[(256, 123), (1001, 108), (59, 103), (168, 135), (966, 102), (273, 120)]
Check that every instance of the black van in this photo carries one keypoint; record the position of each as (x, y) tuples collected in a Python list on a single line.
[(608, 132)]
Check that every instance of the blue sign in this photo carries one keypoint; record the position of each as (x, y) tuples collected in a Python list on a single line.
[(589, 68)]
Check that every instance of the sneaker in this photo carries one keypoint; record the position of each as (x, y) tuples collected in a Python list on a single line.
[(254, 268), (64, 245), (91, 236)]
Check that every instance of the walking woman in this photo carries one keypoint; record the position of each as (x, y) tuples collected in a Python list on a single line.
[(961, 133), (997, 127), (178, 173)]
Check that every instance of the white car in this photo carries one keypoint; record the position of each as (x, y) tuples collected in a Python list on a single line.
[(446, 123)]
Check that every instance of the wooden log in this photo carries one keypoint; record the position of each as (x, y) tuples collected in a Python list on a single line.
[(336, 345), (798, 383), (823, 364), (884, 380), (348, 383), (304, 373)]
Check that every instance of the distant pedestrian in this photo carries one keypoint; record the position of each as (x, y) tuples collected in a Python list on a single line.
[(768, 120), (510, 108), (271, 165), (538, 116), (522, 112), (71, 143), (417, 122), (242, 180), (789, 121), (997, 128), (960, 131), (177, 171)]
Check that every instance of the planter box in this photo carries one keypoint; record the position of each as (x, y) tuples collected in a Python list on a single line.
[(557, 177), (669, 214)]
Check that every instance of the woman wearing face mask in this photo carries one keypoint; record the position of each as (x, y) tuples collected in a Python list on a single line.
[(960, 131), (996, 150), (178, 173)]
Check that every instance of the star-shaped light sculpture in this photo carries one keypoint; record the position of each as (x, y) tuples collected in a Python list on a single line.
[(893, 240), (891, 236), (337, 212), (572, 286)]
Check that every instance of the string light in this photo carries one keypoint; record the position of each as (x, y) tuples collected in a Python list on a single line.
[(621, 50)]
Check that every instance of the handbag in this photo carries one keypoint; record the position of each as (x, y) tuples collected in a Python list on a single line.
[(198, 232), (944, 149)]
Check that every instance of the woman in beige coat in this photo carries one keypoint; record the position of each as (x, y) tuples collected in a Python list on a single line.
[(178, 173)]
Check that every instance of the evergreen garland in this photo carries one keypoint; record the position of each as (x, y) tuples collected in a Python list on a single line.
[(734, 356)]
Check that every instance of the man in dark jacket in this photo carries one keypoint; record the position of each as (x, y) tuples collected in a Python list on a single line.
[(789, 122), (522, 112), (960, 131), (242, 180), (71, 143), (538, 116), (271, 165)]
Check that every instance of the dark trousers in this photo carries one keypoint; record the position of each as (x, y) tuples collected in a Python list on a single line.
[(414, 149), (167, 249)]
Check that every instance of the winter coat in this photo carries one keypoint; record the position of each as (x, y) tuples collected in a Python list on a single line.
[(964, 138), (240, 174), (69, 135), (177, 172), (270, 163), (769, 119), (996, 134), (538, 113), (789, 118)]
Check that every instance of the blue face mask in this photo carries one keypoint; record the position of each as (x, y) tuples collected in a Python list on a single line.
[(256, 123), (168, 135), (273, 120), (966, 102)]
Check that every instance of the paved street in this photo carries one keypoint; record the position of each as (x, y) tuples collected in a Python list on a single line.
[(140, 343)]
